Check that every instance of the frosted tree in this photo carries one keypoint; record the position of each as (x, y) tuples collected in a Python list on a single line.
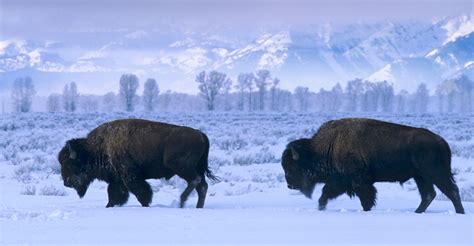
[(89, 103), (54, 103), (421, 99), (465, 91), (240, 87), (385, 96), (165, 100), (302, 96), (108, 102), (401, 101), (22, 94), (66, 98), (245, 83), (322, 99), (336, 96), (261, 82), (446, 94), (150, 94), (227, 86), (455, 95), (210, 86), (354, 91), (274, 95), (286, 100), (377, 96), (330, 101), (70, 97), (74, 96), (128, 91)]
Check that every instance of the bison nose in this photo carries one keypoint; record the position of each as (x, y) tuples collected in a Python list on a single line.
[(291, 187)]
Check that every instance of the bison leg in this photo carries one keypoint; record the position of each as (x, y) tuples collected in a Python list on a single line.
[(191, 186), (142, 190), (451, 190), (201, 189), (367, 195), (118, 194), (427, 193), (330, 191)]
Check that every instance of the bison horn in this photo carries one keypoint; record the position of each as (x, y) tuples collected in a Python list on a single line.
[(72, 153), (294, 153)]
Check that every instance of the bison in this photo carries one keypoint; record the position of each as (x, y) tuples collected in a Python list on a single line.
[(350, 155), (124, 153)]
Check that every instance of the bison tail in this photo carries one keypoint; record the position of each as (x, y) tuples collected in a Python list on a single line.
[(204, 163), (211, 176)]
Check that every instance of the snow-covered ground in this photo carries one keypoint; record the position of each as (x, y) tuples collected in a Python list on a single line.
[(251, 204)]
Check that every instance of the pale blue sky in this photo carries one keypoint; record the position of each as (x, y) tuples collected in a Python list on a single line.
[(50, 18)]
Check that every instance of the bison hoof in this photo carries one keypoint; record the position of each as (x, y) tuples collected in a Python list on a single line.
[(109, 205), (322, 207)]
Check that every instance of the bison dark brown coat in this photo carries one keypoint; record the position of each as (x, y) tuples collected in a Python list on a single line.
[(124, 153), (350, 155)]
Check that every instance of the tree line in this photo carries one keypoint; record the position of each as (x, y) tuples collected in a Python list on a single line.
[(255, 91)]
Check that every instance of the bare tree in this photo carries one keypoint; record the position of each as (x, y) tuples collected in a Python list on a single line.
[(150, 94), (370, 97), (74, 96), (354, 91), (165, 100), (128, 91), (54, 103), (70, 97), (402, 101), (466, 89), (302, 95), (66, 104), (336, 96), (446, 93), (226, 94), (261, 82), (455, 95), (286, 100), (273, 95), (385, 96), (210, 86), (421, 98), (240, 87), (108, 102), (89, 103), (245, 83), (22, 94)]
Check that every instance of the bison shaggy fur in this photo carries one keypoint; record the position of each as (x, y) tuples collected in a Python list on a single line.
[(350, 155), (124, 153)]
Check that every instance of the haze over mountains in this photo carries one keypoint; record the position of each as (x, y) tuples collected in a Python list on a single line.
[(402, 52)]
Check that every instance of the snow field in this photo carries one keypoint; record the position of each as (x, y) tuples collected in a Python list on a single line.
[(251, 204)]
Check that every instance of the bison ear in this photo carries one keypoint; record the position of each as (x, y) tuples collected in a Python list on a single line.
[(294, 153), (76, 147), (72, 152)]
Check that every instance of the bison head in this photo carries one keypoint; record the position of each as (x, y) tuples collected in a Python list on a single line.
[(74, 166), (296, 162)]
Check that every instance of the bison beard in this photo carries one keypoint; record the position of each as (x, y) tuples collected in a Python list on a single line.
[(124, 153), (350, 155)]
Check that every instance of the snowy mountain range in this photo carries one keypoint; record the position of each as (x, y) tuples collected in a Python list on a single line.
[(404, 53)]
